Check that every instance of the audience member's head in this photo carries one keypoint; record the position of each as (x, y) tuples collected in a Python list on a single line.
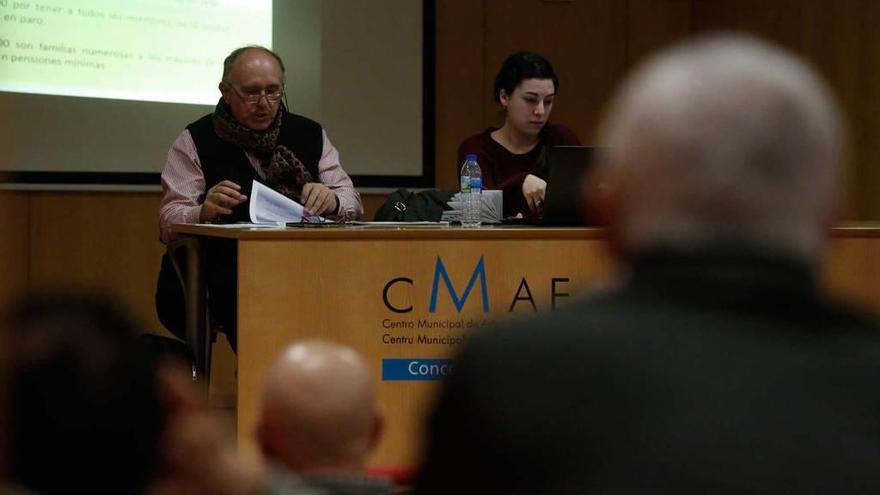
[(320, 411), (82, 405), (724, 141)]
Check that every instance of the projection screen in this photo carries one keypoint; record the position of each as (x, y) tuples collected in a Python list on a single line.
[(93, 92)]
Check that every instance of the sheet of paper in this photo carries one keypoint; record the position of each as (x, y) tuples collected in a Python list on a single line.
[(270, 206), (400, 224), (242, 225)]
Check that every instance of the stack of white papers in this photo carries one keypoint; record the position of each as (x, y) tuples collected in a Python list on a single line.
[(491, 207), (268, 206)]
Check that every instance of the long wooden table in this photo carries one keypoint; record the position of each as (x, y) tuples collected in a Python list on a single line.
[(404, 297)]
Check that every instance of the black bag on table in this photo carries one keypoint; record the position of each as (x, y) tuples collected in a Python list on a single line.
[(406, 206)]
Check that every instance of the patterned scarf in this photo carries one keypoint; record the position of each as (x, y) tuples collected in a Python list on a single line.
[(282, 170)]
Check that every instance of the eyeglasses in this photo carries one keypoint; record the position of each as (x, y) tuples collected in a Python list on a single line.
[(317, 220), (313, 219), (253, 97)]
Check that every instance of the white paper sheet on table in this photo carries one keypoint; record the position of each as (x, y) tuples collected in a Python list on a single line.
[(241, 225)]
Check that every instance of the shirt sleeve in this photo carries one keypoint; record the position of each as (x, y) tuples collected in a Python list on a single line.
[(183, 185), (333, 176)]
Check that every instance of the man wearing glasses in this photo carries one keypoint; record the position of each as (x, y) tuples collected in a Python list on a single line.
[(249, 136)]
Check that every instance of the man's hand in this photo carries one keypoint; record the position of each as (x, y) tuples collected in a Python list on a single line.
[(533, 189), (318, 199), (220, 200)]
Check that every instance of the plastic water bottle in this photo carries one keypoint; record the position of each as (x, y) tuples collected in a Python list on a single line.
[(471, 189)]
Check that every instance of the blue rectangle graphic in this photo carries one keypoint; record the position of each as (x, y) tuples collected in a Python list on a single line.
[(415, 369)]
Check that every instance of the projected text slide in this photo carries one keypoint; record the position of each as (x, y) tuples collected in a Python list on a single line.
[(148, 50)]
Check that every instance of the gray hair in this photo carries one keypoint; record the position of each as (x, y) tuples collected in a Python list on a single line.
[(724, 139), (233, 56)]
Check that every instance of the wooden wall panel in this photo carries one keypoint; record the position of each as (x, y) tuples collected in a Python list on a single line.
[(652, 24), (852, 271), (864, 107), (14, 246), (841, 39), (585, 41), (460, 82), (102, 241)]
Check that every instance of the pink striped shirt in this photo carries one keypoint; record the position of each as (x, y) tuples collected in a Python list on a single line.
[(183, 183)]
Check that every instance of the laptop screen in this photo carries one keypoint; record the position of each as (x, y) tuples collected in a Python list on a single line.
[(563, 205)]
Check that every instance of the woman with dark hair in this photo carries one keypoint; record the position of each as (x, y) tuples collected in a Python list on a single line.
[(513, 157)]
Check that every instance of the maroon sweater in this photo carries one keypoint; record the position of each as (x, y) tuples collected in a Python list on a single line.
[(507, 171)]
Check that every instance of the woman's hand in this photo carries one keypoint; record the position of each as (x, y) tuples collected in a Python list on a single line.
[(533, 190)]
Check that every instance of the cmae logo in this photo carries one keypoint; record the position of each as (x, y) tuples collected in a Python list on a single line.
[(440, 273), (523, 292)]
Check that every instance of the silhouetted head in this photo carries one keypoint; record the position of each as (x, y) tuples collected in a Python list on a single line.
[(83, 412), (320, 411), (722, 140)]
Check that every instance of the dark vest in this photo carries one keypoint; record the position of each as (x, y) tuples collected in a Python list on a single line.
[(222, 160)]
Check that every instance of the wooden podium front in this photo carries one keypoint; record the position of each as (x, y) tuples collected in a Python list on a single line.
[(404, 298)]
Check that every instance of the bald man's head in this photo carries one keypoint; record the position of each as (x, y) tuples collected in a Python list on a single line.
[(722, 140), (320, 411)]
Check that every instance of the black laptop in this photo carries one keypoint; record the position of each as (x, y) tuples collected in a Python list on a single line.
[(563, 206)]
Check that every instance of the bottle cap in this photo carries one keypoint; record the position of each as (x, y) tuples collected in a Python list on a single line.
[(470, 157)]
